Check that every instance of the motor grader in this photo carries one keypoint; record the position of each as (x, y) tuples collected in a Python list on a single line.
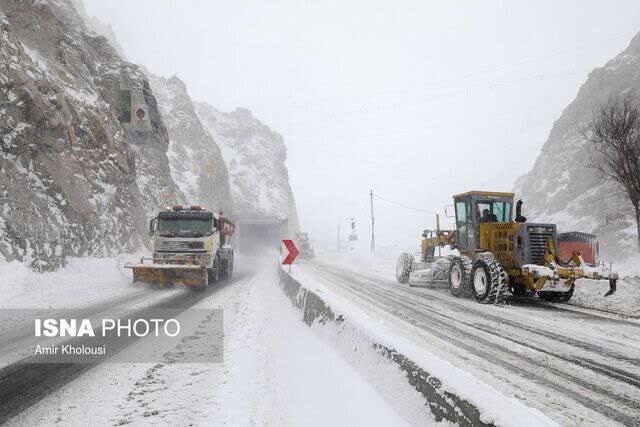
[(498, 255)]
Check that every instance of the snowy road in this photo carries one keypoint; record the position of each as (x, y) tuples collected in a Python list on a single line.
[(578, 366), (23, 383), (275, 372)]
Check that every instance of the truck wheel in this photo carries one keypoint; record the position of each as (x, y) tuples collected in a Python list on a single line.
[(489, 281), (556, 296), (460, 276), (214, 272), (404, 267), (227, 267)]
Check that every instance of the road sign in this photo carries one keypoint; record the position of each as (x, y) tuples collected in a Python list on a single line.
[(293, 252)]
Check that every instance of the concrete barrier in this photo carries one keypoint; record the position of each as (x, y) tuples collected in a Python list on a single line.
[(442, 404)]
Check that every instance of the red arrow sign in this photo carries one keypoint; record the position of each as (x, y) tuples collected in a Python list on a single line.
[(293, 252)]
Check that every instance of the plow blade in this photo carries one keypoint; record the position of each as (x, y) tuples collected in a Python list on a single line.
[(169, 274)]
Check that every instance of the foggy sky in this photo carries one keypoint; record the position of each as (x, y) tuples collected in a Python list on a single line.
[(417, 100)]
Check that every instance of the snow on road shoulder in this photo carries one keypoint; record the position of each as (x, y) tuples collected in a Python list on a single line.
[(625, 302), (394, 333), (82, 281)]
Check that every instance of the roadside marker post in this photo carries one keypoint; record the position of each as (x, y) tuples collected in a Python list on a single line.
[(292, 255)]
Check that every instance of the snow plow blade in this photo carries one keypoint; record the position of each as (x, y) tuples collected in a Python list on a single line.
[(544, 278), (169, 274)]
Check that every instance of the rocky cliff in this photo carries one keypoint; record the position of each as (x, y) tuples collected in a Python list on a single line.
[(196, 163), (83, 147), (255, 157), (561, 189)]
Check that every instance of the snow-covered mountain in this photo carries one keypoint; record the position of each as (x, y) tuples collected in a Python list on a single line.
[(561, 189), (255, 157), (196, 163), (91, 145), (83, 147)]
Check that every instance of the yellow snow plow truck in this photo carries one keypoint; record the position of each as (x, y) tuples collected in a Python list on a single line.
[(498, 254), (191, 246)]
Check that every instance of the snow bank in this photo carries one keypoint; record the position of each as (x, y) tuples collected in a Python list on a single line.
[(80, 282)]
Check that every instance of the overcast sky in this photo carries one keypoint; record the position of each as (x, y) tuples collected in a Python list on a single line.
[(417, 100)]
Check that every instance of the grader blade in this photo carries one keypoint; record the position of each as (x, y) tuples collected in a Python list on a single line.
[(169, 274)]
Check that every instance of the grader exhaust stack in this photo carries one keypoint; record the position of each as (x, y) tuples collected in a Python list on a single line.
[(497, 254)]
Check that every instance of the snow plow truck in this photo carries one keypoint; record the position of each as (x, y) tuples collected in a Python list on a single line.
[(191, 246), (304, 246), (498, 255)]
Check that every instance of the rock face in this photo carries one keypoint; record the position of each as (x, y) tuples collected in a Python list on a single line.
[(196, 163), (255, 157), (561, 189), (82, 145), (96, 25)]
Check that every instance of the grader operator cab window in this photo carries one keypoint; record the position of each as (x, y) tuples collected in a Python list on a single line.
[(491, 211), (461, 219)]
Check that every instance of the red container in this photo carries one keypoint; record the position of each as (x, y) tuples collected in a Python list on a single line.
[(585, 243)]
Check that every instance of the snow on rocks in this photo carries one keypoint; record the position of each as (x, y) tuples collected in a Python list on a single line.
[(255, 157), (195, 160)]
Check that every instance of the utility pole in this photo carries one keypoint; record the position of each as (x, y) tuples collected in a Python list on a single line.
[(373, 233), (338, 241)]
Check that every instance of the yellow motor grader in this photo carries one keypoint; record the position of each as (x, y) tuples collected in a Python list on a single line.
[(498, 255)]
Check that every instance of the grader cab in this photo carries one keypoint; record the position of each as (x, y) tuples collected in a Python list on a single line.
[(498, 253)]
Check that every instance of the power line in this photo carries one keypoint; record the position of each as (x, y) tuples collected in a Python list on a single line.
[(601, 198), (402, 205)]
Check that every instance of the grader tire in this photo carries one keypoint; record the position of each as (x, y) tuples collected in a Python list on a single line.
[(556, 296), (489, 281), (404, 267), (460, 276)]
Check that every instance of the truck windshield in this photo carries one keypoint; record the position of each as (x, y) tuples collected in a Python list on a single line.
[(193, 227)]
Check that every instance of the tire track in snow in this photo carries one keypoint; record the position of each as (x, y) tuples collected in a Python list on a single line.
[(401, 302), (22, 384)]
